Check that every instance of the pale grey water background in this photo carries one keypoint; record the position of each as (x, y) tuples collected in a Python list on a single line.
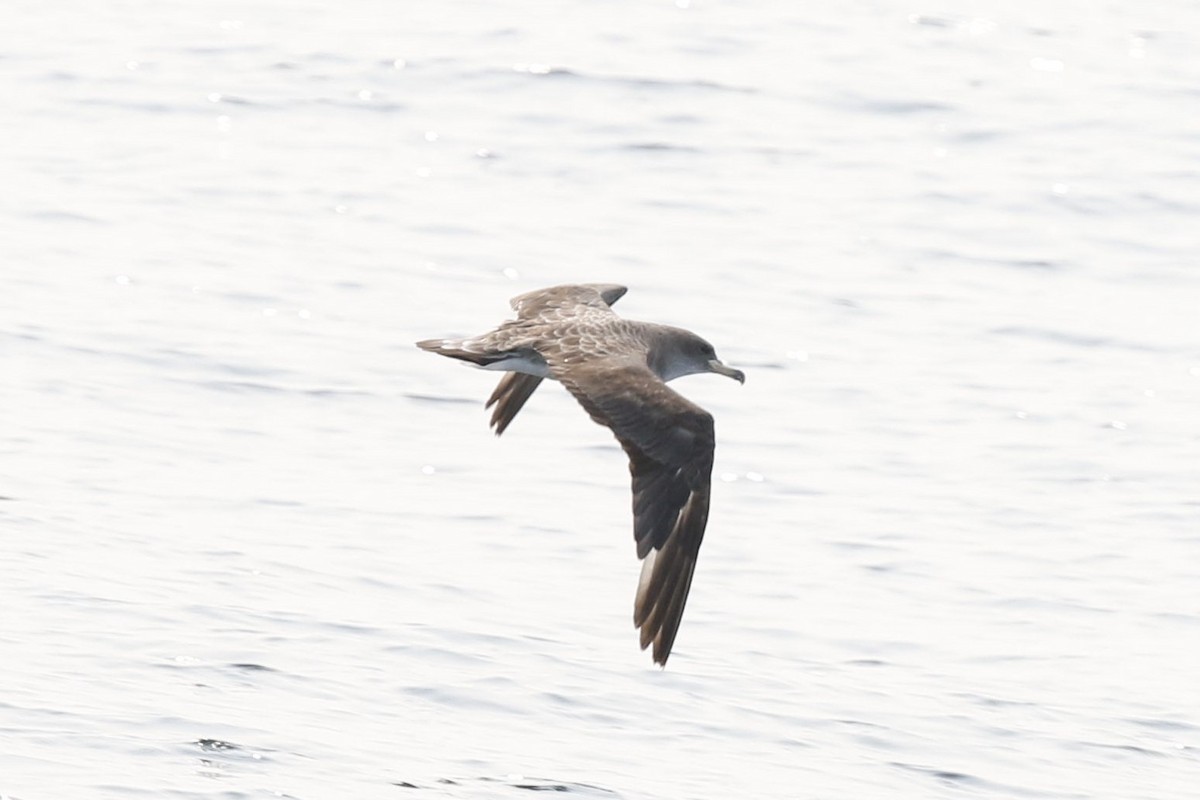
[(257, 545)]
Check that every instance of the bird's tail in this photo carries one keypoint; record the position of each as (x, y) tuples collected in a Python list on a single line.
[(469, 350)]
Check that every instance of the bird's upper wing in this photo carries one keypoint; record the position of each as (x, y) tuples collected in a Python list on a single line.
[(534, 304), (515, 387), (670, 444)]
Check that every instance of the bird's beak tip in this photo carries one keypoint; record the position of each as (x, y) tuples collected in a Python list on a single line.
[(727, 371)]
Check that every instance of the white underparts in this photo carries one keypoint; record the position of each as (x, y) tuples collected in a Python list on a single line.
[(519, 364)]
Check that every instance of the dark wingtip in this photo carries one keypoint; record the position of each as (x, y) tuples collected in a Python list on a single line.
[(611, 292), (509, 398), (498, 427)]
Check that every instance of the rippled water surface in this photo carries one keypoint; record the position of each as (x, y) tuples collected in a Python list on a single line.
[(256, 544)]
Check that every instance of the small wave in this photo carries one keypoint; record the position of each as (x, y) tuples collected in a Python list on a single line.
[(659, 147), (439, 398), (1073, 339), (543, 71), (889, 105), (56, 216), (216, 745), (518, 782)]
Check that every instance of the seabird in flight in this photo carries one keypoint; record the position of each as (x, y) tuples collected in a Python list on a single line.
[(617, 369)]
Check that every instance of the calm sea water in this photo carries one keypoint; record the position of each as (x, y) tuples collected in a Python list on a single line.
[(256, 544)]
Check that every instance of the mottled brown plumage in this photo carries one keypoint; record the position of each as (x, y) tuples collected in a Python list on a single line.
[(617, 369)]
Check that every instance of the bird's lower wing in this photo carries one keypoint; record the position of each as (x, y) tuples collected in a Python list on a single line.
[(510, 396), (670, 442)]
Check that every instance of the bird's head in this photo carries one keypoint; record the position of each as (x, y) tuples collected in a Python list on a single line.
[(684, 353)]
